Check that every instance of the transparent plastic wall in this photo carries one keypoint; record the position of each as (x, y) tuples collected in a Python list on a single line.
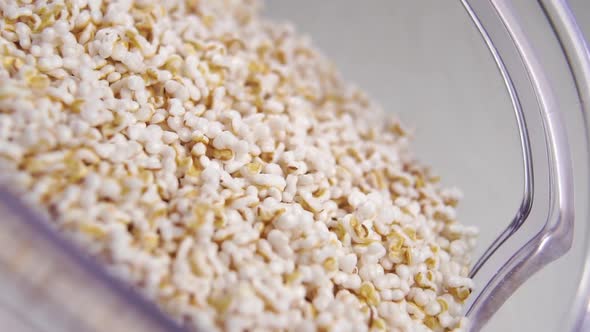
[(47, 285)]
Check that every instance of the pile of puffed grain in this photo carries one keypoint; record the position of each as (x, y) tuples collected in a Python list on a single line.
[(217, 162)]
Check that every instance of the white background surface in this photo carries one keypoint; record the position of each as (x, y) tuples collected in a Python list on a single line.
[(424, 61)]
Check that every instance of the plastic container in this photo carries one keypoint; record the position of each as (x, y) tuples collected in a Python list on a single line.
[(498, 91)]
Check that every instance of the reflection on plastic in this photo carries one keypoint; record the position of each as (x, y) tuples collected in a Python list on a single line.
[(45, 285)]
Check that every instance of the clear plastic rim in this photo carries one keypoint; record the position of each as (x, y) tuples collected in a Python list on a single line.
[(27, 226), (537, 235), (577, 53)]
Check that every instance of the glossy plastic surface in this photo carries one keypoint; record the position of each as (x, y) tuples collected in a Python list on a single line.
[(46, 285), (578, 55), (542, 229)]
